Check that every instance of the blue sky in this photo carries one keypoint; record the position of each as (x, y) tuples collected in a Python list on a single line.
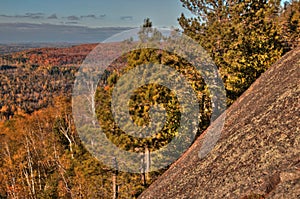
[(81, 21), (92, 13)]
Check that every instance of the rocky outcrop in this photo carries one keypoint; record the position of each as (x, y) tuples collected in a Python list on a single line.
[(258, 155)]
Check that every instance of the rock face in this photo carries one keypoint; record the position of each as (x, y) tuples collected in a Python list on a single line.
[(258, 154)]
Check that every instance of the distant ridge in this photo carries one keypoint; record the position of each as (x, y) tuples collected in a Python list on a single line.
[(49, 56), (258, 155), (18, 47), (55, 56)]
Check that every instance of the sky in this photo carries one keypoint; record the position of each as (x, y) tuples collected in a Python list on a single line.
[(67, 20)]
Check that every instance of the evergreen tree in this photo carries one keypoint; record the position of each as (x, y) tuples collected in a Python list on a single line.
[(241, 36), (289, 23)]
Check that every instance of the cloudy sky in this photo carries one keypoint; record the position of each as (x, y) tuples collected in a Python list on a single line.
[(80, 20)]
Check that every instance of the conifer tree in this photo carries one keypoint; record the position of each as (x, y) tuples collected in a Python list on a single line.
[(240, 35), (289, 23)]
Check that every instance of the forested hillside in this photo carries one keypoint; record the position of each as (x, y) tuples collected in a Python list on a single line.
[(73, 55), (12, 48)]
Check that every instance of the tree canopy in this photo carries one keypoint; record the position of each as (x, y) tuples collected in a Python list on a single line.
[(244, 37)]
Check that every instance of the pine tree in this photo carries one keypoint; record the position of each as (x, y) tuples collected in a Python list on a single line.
[(289, 23), (240, 35)]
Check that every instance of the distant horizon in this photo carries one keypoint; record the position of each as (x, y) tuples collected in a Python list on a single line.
[(49, 33), (76, 21)]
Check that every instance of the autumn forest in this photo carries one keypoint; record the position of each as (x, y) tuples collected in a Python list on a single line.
[(41, 153)]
